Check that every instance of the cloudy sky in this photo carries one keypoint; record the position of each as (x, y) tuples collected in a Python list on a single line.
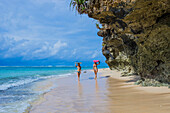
[(46, 32)]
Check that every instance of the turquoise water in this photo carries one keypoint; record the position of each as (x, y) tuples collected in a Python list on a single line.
[(17, 85)]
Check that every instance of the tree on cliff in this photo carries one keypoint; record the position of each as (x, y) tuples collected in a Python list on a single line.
[(80, 5)]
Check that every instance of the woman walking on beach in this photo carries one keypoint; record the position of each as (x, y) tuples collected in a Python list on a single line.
[(95, 68), (78, 70)]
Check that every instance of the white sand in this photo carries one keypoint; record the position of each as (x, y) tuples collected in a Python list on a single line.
[(104, 95), (130, 80)]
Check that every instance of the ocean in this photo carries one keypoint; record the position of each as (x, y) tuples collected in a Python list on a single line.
[(20, 86)]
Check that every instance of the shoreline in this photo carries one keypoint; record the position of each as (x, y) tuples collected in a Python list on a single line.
[(57, 99)]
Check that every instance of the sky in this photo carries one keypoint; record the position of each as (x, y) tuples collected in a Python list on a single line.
[(46, 32)]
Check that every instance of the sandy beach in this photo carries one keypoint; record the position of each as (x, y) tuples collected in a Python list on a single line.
[(110, 93)]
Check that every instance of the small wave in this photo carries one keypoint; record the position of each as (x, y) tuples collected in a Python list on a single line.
[(64, 75), (21, 82), (8, 85), (56, 76)]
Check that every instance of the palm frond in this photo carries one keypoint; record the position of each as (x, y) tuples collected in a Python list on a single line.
[(79, 5)]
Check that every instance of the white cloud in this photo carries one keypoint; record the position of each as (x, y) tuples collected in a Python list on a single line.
[(56, 47), (74, 31), (7, 43), (41, 50), (29, 49), (74, 51), (95, 54), (47, 49)]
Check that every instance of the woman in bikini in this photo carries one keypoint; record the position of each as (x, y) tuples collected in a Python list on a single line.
[(78, 70), (95, 69)]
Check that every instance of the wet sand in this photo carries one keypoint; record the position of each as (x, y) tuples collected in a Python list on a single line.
[(104, 95)]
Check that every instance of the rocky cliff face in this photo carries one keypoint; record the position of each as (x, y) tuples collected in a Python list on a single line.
[(136, 35)]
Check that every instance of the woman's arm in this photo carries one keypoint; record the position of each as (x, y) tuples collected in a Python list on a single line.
[(93, 66)]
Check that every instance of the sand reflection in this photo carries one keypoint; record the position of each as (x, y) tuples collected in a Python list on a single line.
[(96, 86), (80, 92)]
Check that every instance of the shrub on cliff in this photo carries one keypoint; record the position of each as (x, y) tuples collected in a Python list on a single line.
[(80, 5)]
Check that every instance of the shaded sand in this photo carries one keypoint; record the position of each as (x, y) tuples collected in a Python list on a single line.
[(130, 80), (104, 95)]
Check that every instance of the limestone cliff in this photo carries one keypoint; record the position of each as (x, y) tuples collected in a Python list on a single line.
[(136, 34)]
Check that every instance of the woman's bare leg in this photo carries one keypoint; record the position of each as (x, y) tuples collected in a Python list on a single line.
[(95, 74), (78, 74)]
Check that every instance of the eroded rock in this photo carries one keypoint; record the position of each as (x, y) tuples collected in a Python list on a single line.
[(136, 35)]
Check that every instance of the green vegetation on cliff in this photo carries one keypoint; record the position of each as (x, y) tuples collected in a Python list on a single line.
[(80, 5)]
